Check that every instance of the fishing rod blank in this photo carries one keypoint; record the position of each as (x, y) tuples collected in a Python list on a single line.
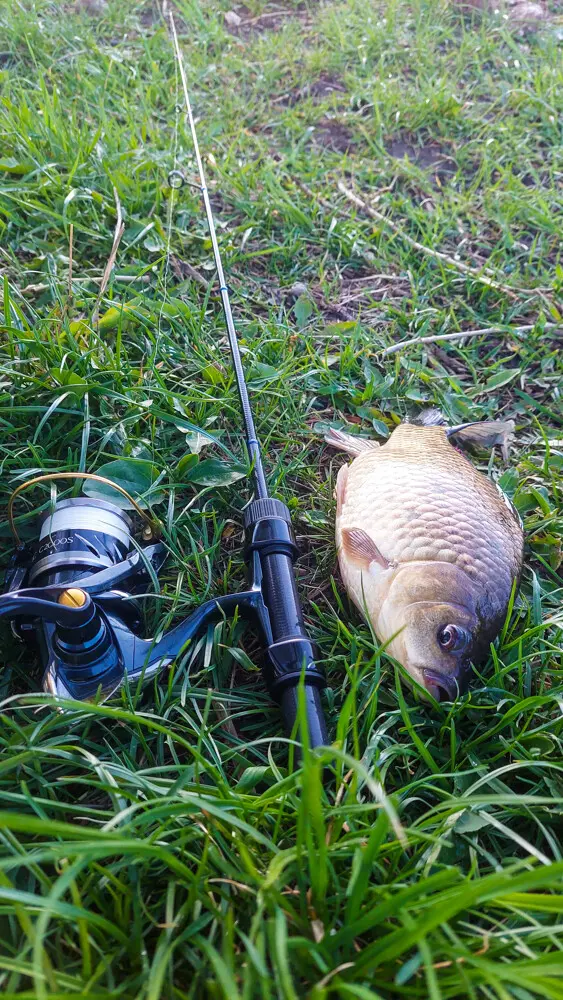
[(251, 439), (270, 548)]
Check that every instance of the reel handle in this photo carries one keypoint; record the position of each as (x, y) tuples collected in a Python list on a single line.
[(46, 604)]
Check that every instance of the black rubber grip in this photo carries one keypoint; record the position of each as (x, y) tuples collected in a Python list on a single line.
[(290, 655), (257, 510)]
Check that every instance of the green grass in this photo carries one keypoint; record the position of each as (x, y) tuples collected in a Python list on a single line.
[(157, 846)]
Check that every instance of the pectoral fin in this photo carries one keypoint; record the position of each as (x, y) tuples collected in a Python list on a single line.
[(484, 434), (360, 548)]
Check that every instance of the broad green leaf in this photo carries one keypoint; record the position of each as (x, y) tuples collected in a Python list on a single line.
[(186, 463), (508, 482), (213, 375), (302, 310), (214, 472), (260, 373), (196, 442), (10, 165), (153, 244), (408, 969), (111, 319), (500, 379), (380, 428), (135, 475), (470, 822), (251, 777), (71, 381)]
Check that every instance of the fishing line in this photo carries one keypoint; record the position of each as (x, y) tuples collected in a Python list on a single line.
[(170, 207), (252, 443)]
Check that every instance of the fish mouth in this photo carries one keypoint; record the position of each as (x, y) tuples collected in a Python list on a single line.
[(442, 687)]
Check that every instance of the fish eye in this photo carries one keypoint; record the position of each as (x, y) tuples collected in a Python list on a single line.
[(452, 637)]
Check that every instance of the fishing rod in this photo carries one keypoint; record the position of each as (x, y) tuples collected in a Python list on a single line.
[(267, 522), (73, 589)]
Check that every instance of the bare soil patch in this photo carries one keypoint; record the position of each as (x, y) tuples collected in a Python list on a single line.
[(428, 156), (333, 135), (241, 22), (350, 298), (364, 297), (326, 85), (317, 91), (150, 14)]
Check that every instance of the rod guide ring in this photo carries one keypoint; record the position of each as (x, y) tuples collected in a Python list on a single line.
[(176, 179)]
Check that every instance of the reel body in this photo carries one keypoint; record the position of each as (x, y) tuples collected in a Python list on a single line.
[(73, 591), (84, 555)]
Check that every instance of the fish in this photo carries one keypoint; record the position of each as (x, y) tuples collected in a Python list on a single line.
[(429, 548)]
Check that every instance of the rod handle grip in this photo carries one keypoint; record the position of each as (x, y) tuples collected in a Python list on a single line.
[(290, 654)]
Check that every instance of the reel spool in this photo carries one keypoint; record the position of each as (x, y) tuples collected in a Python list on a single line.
[(79, 537)]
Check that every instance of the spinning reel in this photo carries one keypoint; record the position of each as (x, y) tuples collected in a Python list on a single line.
[(73, 591)]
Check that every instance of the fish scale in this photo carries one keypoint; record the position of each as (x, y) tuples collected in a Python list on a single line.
[(419, 527)]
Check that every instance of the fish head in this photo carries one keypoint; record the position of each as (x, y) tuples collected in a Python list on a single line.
[(434, 629), (435, 645)]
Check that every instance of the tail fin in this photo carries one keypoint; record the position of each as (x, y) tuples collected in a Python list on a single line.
[(484, 434)]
